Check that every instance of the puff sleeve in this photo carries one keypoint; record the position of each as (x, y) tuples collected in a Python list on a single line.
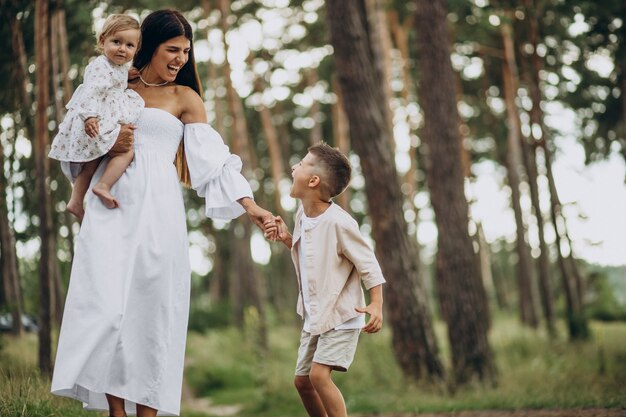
[(215, 172)]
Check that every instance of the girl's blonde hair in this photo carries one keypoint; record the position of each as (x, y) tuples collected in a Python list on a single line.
[(115, 23)]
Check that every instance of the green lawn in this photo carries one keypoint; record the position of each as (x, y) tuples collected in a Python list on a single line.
[(226, 367)]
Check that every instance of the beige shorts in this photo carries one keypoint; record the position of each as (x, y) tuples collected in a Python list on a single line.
[(335, 348)]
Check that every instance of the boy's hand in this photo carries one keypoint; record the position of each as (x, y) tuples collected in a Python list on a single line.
[(270, 229), (281, 232), (375, 323), (92, 127)]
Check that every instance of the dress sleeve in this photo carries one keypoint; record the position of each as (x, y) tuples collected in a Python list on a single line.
[(98, 79), (215, 172)]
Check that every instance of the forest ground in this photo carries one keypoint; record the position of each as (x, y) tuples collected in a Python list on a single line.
[(587, 412)]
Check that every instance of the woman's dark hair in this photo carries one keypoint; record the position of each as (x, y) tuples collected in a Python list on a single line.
[(158, 27)]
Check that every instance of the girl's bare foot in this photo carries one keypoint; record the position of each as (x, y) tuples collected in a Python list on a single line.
[(104, 194), (76, 208)]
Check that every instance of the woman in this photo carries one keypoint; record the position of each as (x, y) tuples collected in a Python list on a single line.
[(122, 340)]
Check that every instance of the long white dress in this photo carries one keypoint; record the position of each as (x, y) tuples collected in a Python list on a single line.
[(125, 320)]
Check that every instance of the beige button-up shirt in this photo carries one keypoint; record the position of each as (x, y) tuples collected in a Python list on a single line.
[(337, 259)]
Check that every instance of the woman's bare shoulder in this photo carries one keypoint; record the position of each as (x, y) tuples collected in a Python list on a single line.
[(192, 106)]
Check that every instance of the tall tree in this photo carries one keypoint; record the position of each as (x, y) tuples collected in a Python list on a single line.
[(576, 322), (458, 274), (10, 273), (360, 78), (510, 79), (246, 272), (8, 255), (530, 161), (46, 234)]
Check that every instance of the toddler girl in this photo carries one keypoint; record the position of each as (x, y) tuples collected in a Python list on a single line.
[(97, 110)]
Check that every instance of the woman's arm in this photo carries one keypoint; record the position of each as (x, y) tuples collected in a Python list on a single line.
[(125, 139), (193, 111), (261, 217)]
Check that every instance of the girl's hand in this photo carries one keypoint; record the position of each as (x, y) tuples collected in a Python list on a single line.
[(92, 127)]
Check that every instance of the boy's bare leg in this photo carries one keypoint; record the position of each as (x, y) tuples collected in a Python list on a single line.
[(116, 406), (114, 170), (311, 401), (80, 187), (145, 411), (328, 392)]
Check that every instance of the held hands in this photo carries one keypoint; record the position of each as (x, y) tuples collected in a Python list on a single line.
[(282, 233), (375, 323), (261, 217), (92, 127)]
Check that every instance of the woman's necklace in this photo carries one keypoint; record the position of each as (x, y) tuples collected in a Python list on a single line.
[(150, 84)]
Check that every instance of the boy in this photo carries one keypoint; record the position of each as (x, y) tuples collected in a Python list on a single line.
[(331, 259)]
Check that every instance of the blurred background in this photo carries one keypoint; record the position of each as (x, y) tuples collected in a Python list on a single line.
[(488, 144)]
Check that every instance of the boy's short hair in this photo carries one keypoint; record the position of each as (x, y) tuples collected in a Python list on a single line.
[(115, 23), (336, 166)]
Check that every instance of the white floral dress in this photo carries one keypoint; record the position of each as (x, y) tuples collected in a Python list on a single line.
[(103, 95)]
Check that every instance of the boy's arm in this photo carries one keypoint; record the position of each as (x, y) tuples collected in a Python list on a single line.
[(374, 309)]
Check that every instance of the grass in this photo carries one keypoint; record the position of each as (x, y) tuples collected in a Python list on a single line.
[(23, 392), (226, 366)]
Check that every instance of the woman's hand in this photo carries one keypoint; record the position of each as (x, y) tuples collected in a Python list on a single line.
[(261, 217), (133, 74), (125, 139)]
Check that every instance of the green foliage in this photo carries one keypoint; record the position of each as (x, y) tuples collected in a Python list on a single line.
[(204, 316), (224, 365), (535, 372), (603, 301), (23, 391)]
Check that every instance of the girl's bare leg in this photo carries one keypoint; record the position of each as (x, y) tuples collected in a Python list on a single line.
[(116, 406), (114, 170), (80, 187), (145, 411)]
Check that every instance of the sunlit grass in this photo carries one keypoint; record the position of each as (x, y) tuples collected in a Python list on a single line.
[(533, 372), (23, 392), (229, 368)]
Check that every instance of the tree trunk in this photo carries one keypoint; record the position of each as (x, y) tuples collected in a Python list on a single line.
[(273, 147), (360, 79), (400, 35), (249, 278), (341, 135), (10, 268), (10, 272), (58, 296), (577, 324), (530, 160), (514, 166), (46, 268), (458, 274), (380, 41), (315, 110)]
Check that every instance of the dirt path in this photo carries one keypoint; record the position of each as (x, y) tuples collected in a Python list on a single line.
[(577, 412)]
